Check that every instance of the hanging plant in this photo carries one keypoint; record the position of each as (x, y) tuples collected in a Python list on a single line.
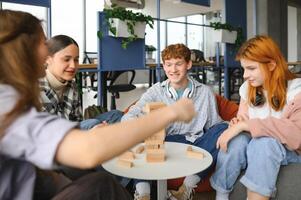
[(127, 16), (239, 38), (150, 48)]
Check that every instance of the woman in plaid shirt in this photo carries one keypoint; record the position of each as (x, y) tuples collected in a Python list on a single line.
[(58, 89)]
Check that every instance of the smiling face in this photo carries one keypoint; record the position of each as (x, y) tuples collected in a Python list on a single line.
[(252, 72), (64, 63), (176, 71)]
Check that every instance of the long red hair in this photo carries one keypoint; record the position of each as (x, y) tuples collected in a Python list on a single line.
[(265, 51)]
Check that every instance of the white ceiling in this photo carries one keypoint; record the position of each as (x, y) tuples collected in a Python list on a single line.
[(171, 10)]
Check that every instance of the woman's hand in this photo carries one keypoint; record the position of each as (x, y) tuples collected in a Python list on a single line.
[(237, 119), (234, 121), (228, 134)]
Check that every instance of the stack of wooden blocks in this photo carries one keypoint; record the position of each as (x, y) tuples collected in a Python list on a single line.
[(154, 145)]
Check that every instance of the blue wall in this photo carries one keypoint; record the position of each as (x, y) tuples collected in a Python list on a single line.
[(236, 15), (198, 2), (44, 3)]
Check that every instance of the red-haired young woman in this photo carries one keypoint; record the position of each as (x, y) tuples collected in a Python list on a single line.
[(267, 130)]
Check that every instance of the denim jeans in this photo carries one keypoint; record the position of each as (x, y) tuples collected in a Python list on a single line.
[(206, 141), (260, 157), (110, 117)]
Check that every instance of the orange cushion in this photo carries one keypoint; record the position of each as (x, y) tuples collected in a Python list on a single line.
[(227, 109)]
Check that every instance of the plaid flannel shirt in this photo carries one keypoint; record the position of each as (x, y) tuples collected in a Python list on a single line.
[(69, 107)]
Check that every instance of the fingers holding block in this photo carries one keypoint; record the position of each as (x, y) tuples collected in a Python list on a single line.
[(194, 154)]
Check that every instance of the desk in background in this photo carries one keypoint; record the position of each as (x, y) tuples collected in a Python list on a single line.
[(198, 70)]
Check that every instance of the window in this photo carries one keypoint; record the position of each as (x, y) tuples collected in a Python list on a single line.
[(92, 7), (176, 31), (151, 36), (39, 12), (195, 33)]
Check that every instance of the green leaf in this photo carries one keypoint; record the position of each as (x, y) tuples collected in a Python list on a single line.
[(131, 18), (99, 34)]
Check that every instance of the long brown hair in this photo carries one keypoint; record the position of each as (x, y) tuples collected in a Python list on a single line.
[(265, 51), (20, 35)]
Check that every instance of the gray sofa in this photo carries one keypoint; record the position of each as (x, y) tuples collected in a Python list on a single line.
[(288, 185)]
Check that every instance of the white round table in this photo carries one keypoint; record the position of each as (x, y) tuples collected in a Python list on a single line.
[(176, 165)]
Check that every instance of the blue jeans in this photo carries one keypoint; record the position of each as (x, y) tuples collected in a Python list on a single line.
[(206, 141), (260, 157), (110, 117)]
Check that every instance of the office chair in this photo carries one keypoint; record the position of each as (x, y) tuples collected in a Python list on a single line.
[(114, 89)]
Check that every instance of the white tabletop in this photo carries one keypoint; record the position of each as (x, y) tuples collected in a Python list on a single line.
[(176, 164)]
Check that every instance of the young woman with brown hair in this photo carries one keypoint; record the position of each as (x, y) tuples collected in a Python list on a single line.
[(31, 138)]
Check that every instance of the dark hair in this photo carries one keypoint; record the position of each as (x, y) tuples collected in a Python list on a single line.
[(20, 32), (58, 43)]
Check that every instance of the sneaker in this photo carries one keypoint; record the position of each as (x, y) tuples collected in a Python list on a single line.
[(183, 193), (137, 196)]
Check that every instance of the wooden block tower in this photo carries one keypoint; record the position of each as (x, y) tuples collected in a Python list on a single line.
[(154, 145)]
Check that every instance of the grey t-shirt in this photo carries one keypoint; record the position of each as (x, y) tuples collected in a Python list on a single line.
[(204, 103), (31, 140)]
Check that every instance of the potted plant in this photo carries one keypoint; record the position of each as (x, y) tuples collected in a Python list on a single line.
[(126, 24), (227, 33), (149, 49)]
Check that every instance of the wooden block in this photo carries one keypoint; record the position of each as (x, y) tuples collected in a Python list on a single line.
[(125, 163), (194, 154), (155, 158), (153, 142), (139, 149), (153, 106), (128, 156), (155, 151), (154, 146), (189, 148)]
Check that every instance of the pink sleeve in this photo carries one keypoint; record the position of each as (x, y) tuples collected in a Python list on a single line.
[(243, 109), (286, 129)]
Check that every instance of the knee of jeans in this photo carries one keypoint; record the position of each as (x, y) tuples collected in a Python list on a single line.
[(239, 143), (267, 146), (236, 149)]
